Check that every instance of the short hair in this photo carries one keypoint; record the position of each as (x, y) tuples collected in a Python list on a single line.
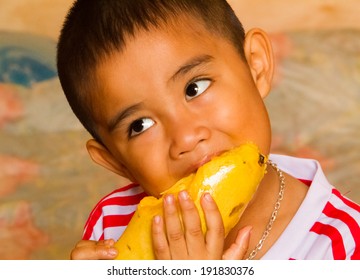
[(94, 29)]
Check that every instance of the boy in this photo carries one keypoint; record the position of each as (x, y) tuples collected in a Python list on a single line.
[(163, 86)]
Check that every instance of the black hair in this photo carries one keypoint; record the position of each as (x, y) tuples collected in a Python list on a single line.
[(94, 29)]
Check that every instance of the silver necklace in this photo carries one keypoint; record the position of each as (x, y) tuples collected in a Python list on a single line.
[(274, 213)]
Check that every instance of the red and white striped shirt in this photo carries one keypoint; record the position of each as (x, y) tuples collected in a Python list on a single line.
[(112, 214), (326, 226)]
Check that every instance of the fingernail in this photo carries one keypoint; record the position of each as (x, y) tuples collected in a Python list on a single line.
[(247, 233), (112, 252), (169, 199), (109, 242), (208, 197), (157, 219), (184, 195), (250, 230)]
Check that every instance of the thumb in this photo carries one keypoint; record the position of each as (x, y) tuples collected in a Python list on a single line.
[(238, 249)]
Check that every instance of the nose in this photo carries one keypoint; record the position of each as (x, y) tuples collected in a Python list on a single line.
[(186, 133)]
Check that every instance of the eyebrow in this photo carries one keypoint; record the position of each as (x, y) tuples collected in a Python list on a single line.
[(118, 118), (191, 64)]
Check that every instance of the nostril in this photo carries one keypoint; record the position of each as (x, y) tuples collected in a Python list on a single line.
[(190, 148), (186, 138)]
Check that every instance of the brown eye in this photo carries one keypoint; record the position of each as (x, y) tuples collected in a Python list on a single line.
[(194, 89), (140, 125)]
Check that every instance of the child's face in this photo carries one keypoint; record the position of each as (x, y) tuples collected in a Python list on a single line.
[(171, 101)]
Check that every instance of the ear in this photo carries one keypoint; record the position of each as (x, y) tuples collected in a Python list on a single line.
[(259, 55), (102, 156)]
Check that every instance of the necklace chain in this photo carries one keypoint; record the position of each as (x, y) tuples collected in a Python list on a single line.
[(273, 214)]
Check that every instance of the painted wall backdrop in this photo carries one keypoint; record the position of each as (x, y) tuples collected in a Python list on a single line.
[(48, 184)]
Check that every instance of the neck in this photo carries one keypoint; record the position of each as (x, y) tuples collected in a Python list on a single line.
[(260, 209), (258, 213)]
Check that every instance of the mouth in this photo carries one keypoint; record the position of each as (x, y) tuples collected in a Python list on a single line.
[(205, 159)]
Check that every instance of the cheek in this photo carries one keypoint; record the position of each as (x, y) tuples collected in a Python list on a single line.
[(147, 165), (231, 111), (244, 118)]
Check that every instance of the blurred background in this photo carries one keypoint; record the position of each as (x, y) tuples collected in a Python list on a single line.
[(48, 184)]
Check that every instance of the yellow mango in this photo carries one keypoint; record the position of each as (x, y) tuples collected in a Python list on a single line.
[(231, 178)]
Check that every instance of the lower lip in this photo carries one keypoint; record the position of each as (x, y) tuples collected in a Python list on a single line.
[(206, 159)]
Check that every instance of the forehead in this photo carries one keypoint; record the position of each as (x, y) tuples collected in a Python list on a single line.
[(149, 60), (176, 41)]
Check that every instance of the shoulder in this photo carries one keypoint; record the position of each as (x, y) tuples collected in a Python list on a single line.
[(326, 225), (334, 222), (112, 213), (339, 224)]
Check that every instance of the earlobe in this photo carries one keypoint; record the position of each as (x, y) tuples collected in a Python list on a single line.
[(259, 56), (102, 156)]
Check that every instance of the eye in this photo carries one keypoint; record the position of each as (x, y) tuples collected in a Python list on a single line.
[(194, 89), (139, 126)]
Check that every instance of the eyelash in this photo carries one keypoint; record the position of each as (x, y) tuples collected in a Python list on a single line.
[(145, 125), (194, 82)]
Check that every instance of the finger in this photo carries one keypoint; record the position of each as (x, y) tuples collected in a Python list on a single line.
[(193, 233), (83, 243), (92, 250), (215, 227), (106, 242), (238, 249), (160, 243), (175, 235)]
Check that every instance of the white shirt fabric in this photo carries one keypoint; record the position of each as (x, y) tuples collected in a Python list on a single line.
[(326, 226)]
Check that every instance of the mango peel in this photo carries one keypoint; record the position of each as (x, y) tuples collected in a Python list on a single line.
[(231, 178)]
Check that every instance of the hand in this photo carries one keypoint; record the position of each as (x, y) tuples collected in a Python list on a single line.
[(178, 234), (94, 250)]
